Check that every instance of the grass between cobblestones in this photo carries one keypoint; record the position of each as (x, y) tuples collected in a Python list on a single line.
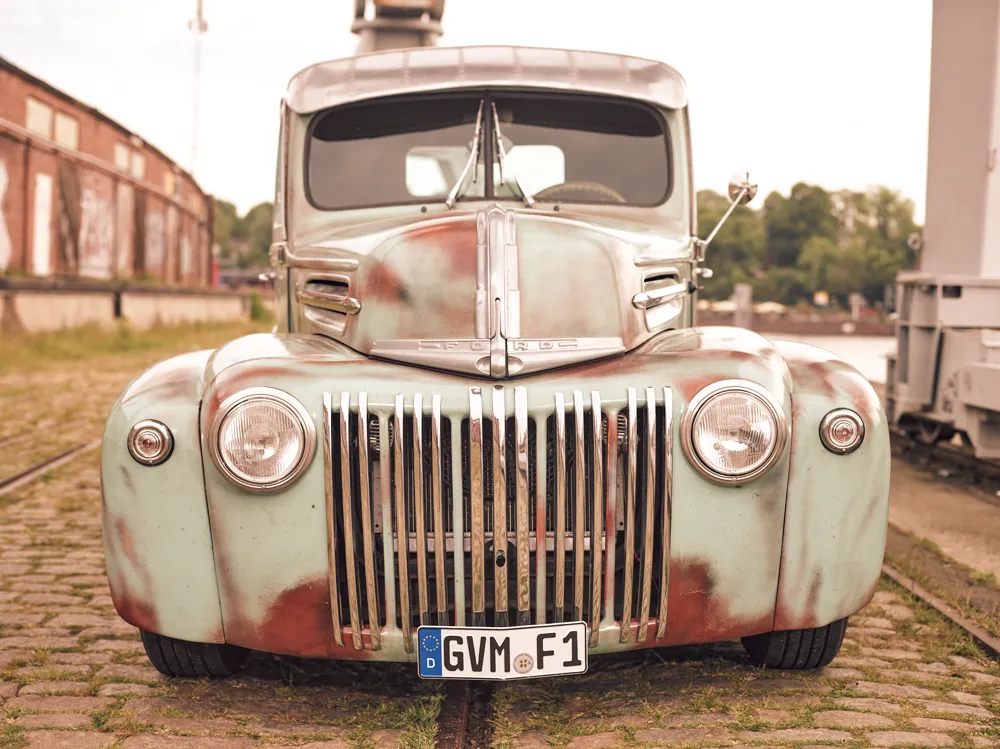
[(56, 389), (975, 594), (900, 659)]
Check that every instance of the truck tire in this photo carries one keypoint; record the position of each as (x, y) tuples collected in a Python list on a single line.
[(797, 648), (192, 660)]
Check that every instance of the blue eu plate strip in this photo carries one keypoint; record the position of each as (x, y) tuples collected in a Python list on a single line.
[(429, 652)]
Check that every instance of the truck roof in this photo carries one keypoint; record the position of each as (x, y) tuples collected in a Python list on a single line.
[(336, 82)]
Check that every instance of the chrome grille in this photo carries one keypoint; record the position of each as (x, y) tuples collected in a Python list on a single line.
[(581, 488)]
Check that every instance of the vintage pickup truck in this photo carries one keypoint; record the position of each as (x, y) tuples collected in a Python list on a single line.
[(486, 435)]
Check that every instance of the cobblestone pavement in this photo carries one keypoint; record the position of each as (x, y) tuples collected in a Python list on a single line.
[(73, 675), (904, 678)]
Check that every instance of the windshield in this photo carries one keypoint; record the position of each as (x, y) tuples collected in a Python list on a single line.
[(391, 152), (553, 148)]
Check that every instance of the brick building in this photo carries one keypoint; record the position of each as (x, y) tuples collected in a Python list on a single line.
[(83, 197)]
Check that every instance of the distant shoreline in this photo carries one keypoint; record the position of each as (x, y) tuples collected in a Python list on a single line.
[(835, 327)]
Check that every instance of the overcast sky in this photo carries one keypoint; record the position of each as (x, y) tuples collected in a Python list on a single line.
[(834, 93)]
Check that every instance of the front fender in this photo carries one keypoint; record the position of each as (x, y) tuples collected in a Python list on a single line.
[(837, 509), (157, 539)]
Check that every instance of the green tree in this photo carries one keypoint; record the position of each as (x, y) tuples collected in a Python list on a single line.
[(255, 227), (225, 219), (790, 222), (735, 253)]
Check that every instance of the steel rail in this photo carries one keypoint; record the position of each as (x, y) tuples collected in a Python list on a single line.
[(983, 638), (32, 472)]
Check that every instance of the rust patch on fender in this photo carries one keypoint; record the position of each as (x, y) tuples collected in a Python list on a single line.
[(133, 606), (229, 384), (696, 615), (298, 622), (786, 618), (174, 379), (384, 284)]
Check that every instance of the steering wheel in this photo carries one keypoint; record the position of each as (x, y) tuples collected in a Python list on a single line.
[(580, 190)]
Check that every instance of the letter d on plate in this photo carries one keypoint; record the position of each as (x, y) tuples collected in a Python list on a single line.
[(429, 652)]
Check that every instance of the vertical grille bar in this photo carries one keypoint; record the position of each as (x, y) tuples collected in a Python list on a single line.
[(611, 517), (402, 536), (331, 528), (439, 534), (560, 545), (541, 553), (630, 470), (521, 479), (368, 540), (501, 603), (476, 498), (457, 520), (647, 525), (668, 479), (579, 514), (385, 490), (345, 484), (419, 505), (596, 529)]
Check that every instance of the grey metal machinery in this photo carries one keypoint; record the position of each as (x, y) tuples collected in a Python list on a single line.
[(396, 24), (945, 377)]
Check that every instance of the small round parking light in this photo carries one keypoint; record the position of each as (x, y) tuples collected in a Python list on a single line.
[(150, 442), (842, 431)]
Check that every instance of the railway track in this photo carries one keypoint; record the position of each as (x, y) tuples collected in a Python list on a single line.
[(949, 461), (29, 474)]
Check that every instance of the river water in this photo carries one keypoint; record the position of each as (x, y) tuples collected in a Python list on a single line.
[(866, 353)]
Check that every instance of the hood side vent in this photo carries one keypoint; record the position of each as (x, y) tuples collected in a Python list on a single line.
[(662, 298), (327, 303)]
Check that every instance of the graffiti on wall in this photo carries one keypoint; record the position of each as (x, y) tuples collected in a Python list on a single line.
[(97, 227), (74, 218), (123, 234), (185, 258), (5, 246), (154, 243), (170, 267)]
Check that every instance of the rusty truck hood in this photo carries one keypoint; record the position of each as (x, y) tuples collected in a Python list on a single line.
[(494, 292)]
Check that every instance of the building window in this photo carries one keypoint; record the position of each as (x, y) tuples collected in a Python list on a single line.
[(169, 182), (138, 166), (39, 119), (67, 131), (121, 157)]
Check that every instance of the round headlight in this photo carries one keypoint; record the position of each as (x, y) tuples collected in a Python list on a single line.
[(733, 431), (842, 431), (262, 439)]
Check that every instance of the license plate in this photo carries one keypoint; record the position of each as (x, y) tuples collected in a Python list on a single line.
[(502, 653)]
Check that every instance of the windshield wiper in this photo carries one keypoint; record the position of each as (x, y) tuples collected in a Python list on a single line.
[(473, 161), (502, 153)]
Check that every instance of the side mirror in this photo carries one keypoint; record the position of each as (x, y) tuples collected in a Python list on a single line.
[(741, 191)]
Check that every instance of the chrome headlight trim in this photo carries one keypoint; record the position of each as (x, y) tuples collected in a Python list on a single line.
[(702, 398), (296, 410), (829, 423), (160, 433)]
